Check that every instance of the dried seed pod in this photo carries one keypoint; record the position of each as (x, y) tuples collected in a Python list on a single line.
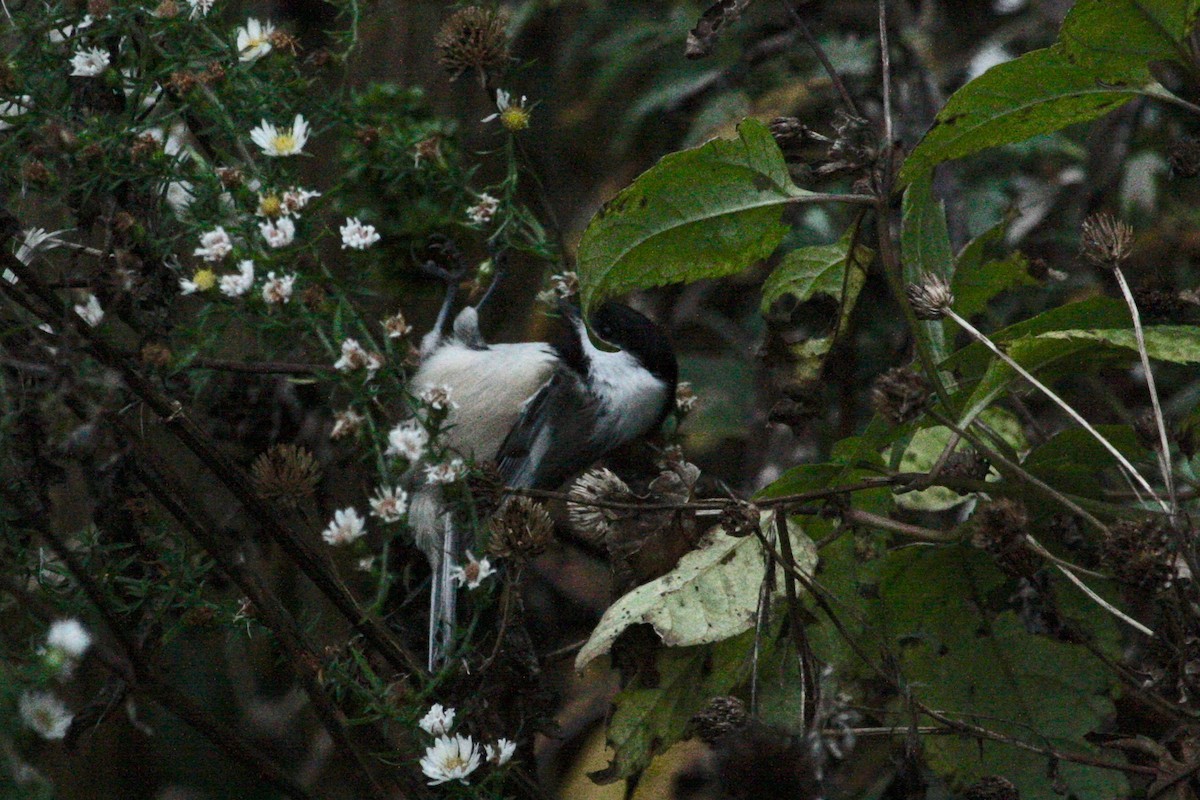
[(1000, 529), (722, 716), (1105, 240), (1136, 552), (588, 520), (900, 395), (967, 464), (740, 518), (931, 298), (287, 474), (520, 530), (473, 38)]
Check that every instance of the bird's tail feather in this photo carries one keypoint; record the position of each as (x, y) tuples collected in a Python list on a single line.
[(443, 599)]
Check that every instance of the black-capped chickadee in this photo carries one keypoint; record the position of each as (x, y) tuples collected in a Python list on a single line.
[(542, 411)]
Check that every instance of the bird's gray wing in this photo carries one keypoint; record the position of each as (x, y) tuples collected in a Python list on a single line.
[(553, 437)]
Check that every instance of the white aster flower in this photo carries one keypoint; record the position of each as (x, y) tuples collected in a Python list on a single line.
[(513, 116), (450, 471), (45, 714), (214, 245), (237, 285), (278, 233), (69, 637), (408, 439), (438, 721), (295, 199), (354, 355), (356, 235), (450, 758), (345, 527), (180, 195), (89, 63), (11, 109), (254, 40), (346, 423), (482, 212), (501, 753), (281, 141), (389, 503), (90, 311), (200, 8), (278, 290), (473, 572), (437, 397), (396, 326)]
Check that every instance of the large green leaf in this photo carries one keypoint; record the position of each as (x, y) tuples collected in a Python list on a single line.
[(1073, 461), (831, 270), (1040, 92), (980, 274), (653, 713), (1118, 38), (985, 668), (702, 213), (1101, 59), (1179, 344)]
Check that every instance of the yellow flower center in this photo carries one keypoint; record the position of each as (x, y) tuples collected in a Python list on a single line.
[(455, 762), (256, 41), (284, 142), (204, 279), (514, 118), (270, 206)]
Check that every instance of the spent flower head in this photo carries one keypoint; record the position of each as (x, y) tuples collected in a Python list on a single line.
[(214, 245), (278, 233), (278, 290), (451, 471), (500, 753), (473, 38), (345, 527), (346, 423), (278, 142), (482, 212), (396, 327), (931, 297)]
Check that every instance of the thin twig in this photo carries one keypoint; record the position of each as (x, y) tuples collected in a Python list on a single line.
[(885, 62), (826, 64)]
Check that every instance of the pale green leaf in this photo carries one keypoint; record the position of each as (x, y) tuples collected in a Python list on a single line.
[(711, 595)]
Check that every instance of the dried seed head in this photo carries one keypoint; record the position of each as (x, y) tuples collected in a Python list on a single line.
[(314, 298), (721, 717), (740, 518), (1105, 240), (1136, 552), (283, 41), (346, 423), (474, 38), (931, 298), (520, 530), (590, 521), (287, 474), (230, 177), (966, 464), (1184, 157), (993, 787), (1000, 529), (900, 395), (167, 9), (35, 171)]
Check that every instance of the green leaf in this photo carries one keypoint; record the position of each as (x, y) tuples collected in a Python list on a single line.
[(830, 270), (984, 668), (1072, 460), (1117, 39), (927, 445), (1179, 344), (978, 277), (647, 719), (711, 595), (1040, 92), (925, 247), (701, 213)]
